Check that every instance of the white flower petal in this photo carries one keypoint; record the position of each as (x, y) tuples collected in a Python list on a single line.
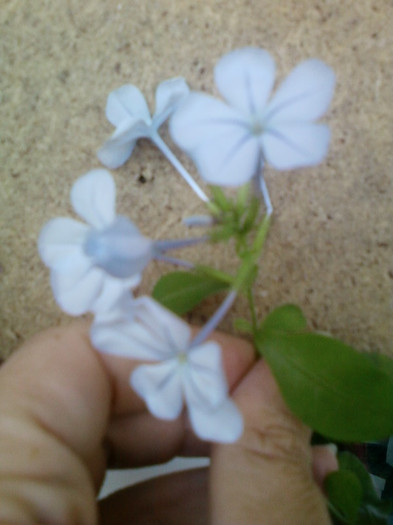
[(172, 334), (159, 385), (60, 243), (76, 292), (121, 332), (168, 96), (200, 118), (223, 425), (117, 150), (304, 95), (232, 159), (124, 102), (93, 198), (205, 383), (245, 78), (217, 138), (290, 146), (113, 154), (112, 290)]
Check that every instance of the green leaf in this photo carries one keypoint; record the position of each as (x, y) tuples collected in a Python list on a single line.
[(182, 291), (345, 495), (288, 319), (220, 199), (372, 510), (337, 391)]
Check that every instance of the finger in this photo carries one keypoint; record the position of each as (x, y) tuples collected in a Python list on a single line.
[(266, 477), (324, 461), (60, 381), (175, 499)]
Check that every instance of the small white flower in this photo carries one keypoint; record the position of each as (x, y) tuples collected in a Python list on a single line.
[(179, 372), (93, 264), (127, 110), (229, 142)]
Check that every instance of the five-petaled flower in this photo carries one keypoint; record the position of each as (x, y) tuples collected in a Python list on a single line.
[(93, 264), (127, 110), (179, 372), (229, 142)]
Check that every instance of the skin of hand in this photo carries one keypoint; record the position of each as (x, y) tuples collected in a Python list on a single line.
[(68, 412)]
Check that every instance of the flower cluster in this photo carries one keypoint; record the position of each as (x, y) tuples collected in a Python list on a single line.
[(96, 265)]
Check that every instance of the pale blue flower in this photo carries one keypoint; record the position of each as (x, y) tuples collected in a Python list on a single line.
[(180, 372), (127, 110), (230, 141), (93, 264)]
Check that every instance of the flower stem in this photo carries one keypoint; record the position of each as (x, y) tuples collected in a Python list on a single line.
[(251, 304), (265, 194), (261, 188), (164, 246), (174, 260), (155, 137), (216, 318)]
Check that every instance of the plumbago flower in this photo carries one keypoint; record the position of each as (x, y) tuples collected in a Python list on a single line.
[(180, 371), (127, 110), (93, 264), (229, 141), (90, 265)]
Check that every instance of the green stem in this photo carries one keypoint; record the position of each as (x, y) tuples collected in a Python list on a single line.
[(250, 260), (250, 297)]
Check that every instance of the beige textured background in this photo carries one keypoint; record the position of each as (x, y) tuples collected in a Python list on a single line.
[(331, 244)]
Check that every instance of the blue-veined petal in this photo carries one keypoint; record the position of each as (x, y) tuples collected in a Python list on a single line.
[(245, 78), (304, 95), (76, 292), (136, 331), (119, 147), (289, 146), (124, 102), (112, 290), (171, 333), (60, 243), (168, 95), (230, 159), (200, 118), (223, 425), (93, 198), (205, 383), (159, 385), (113, 154), (217, 138)]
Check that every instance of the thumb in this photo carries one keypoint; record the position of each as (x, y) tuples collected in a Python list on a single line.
[(267, 476)]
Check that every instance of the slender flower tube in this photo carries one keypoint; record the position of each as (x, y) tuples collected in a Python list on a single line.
[(127, 110), (179, 372)]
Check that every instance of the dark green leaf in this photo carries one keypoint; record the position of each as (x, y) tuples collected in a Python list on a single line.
[(286, 319), (182, 291), (372, 510), (345, 495), (337, 391)]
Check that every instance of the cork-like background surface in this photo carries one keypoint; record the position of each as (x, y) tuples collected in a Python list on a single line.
[(330, 248)]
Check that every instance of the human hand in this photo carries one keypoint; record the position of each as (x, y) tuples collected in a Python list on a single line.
[(67, 412)]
